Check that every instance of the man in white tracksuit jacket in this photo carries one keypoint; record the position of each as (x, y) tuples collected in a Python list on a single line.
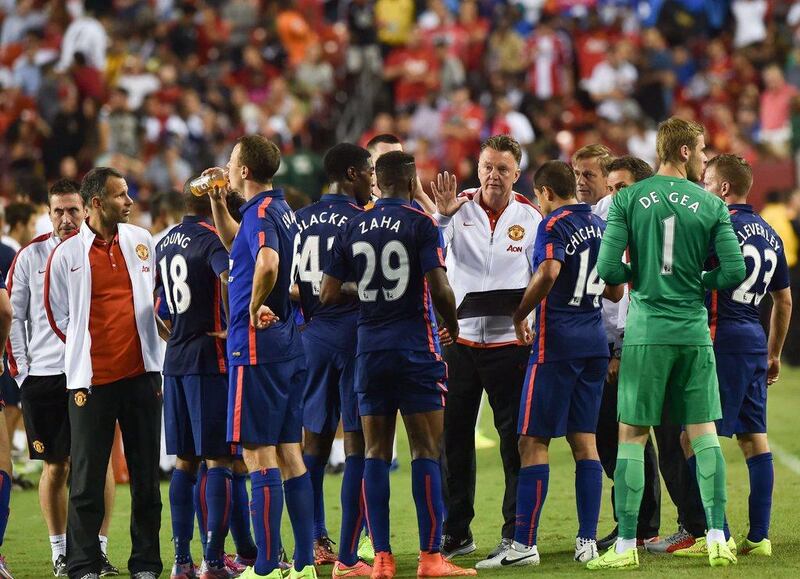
[(489, 235), (98, 297)]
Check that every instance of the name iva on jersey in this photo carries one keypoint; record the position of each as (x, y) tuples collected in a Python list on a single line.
[(678, 198), (750, 229)]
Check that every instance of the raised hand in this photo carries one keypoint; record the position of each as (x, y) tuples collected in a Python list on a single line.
[(445, 192)]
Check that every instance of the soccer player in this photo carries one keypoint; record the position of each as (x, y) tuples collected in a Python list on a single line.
[(747, 360), (267, 378), (5, 443), (668, 222), (193, 274), (393, 251), (36, 361), (329, 340), (377, 146), (567, 367)]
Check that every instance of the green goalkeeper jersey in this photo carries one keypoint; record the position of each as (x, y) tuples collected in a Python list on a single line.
[(669, 225)]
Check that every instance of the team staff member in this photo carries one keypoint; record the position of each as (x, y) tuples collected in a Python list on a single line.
[(5, 443), (36, 361), (489, 236), (99, 300)]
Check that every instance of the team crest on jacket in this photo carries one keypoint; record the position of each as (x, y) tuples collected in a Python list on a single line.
[(38, 446), (516, 232), (80, 397), (142, 251)]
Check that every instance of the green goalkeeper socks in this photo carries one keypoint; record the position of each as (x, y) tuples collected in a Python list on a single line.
[(711, 475), (628, 487)]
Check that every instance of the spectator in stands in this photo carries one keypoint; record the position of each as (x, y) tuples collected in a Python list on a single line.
[(775, 110)]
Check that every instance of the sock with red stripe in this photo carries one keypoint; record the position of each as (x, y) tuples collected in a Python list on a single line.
[(426, 486), (316, 468), (200, 503), (240, 518), (352, 511), (531, 493), (762, 479), (588, 494), (376, 490), (266, 509), (181, 508), (299, 504), (218, 499)]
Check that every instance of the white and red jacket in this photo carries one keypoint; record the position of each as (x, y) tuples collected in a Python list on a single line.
[(480, 258), (32, 346), (68, 291)]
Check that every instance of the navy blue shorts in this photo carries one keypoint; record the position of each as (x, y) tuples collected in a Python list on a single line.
[(9, 391), (561, 397), (404, 380), (265, 403), (743, 393), (195, 415), (330, 390)]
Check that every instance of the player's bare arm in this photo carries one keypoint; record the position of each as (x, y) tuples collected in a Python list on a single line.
[(540, 285), (443, 300), (224, 222), (264, 277), (445, 194), (330, 291), (778, 326), (614, 292), (5, 318), (223, 278)]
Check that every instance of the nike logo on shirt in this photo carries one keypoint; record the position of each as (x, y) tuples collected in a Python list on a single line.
[(75, 268)]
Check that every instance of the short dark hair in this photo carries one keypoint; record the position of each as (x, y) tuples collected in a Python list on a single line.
[(341, 157), (172, 202), (394, 168), (94, 183), (17, 213), (195, 204), (558, 176), (64, 187), (638, 168), (385, 138), (504, 143), (260, 155), (735, 170)]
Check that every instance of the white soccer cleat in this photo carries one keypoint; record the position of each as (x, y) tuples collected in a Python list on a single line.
[(517, 555), (585, 549)]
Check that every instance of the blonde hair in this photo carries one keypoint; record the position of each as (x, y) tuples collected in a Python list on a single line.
[(735, 170), (673, 134), (597, 151)]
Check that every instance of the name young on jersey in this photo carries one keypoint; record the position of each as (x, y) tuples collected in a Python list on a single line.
[(677, 198), (175, 238)]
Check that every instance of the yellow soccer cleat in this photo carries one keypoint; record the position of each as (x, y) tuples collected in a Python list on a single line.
[(762, 549), (250, 573), (720, 555), (611, 560), (307, 572), (700, 548), (365, 549)]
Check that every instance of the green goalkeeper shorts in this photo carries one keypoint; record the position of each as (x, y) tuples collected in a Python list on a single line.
[(684, 378)]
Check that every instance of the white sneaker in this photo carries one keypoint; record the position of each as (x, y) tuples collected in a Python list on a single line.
[(585, 549), (516, 555)]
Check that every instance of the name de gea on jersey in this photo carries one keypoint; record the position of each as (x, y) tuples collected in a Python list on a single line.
[(678, 198)]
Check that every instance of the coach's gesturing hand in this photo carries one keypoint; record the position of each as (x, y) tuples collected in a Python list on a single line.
[(445, 192)]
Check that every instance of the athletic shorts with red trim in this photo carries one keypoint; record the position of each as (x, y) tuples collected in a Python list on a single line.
[(561, 397), (265, 403), (195, 415), (404, 380)]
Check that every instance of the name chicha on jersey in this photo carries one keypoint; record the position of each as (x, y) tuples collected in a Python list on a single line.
[(677, 198), (749, 230), (581, 236)]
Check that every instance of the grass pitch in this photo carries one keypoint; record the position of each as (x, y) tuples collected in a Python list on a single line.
[(26, 545)]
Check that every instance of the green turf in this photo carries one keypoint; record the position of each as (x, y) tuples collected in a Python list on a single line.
[(27, 551)]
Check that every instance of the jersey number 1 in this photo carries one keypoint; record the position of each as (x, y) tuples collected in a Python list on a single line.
[(669, 245)]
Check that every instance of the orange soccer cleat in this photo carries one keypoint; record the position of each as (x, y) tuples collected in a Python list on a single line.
[(434, 565), (383, 566)]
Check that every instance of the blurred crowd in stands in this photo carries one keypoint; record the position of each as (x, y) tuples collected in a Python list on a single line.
[(161, 88)]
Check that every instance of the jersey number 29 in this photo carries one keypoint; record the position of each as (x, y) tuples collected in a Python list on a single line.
[(399, 274)]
